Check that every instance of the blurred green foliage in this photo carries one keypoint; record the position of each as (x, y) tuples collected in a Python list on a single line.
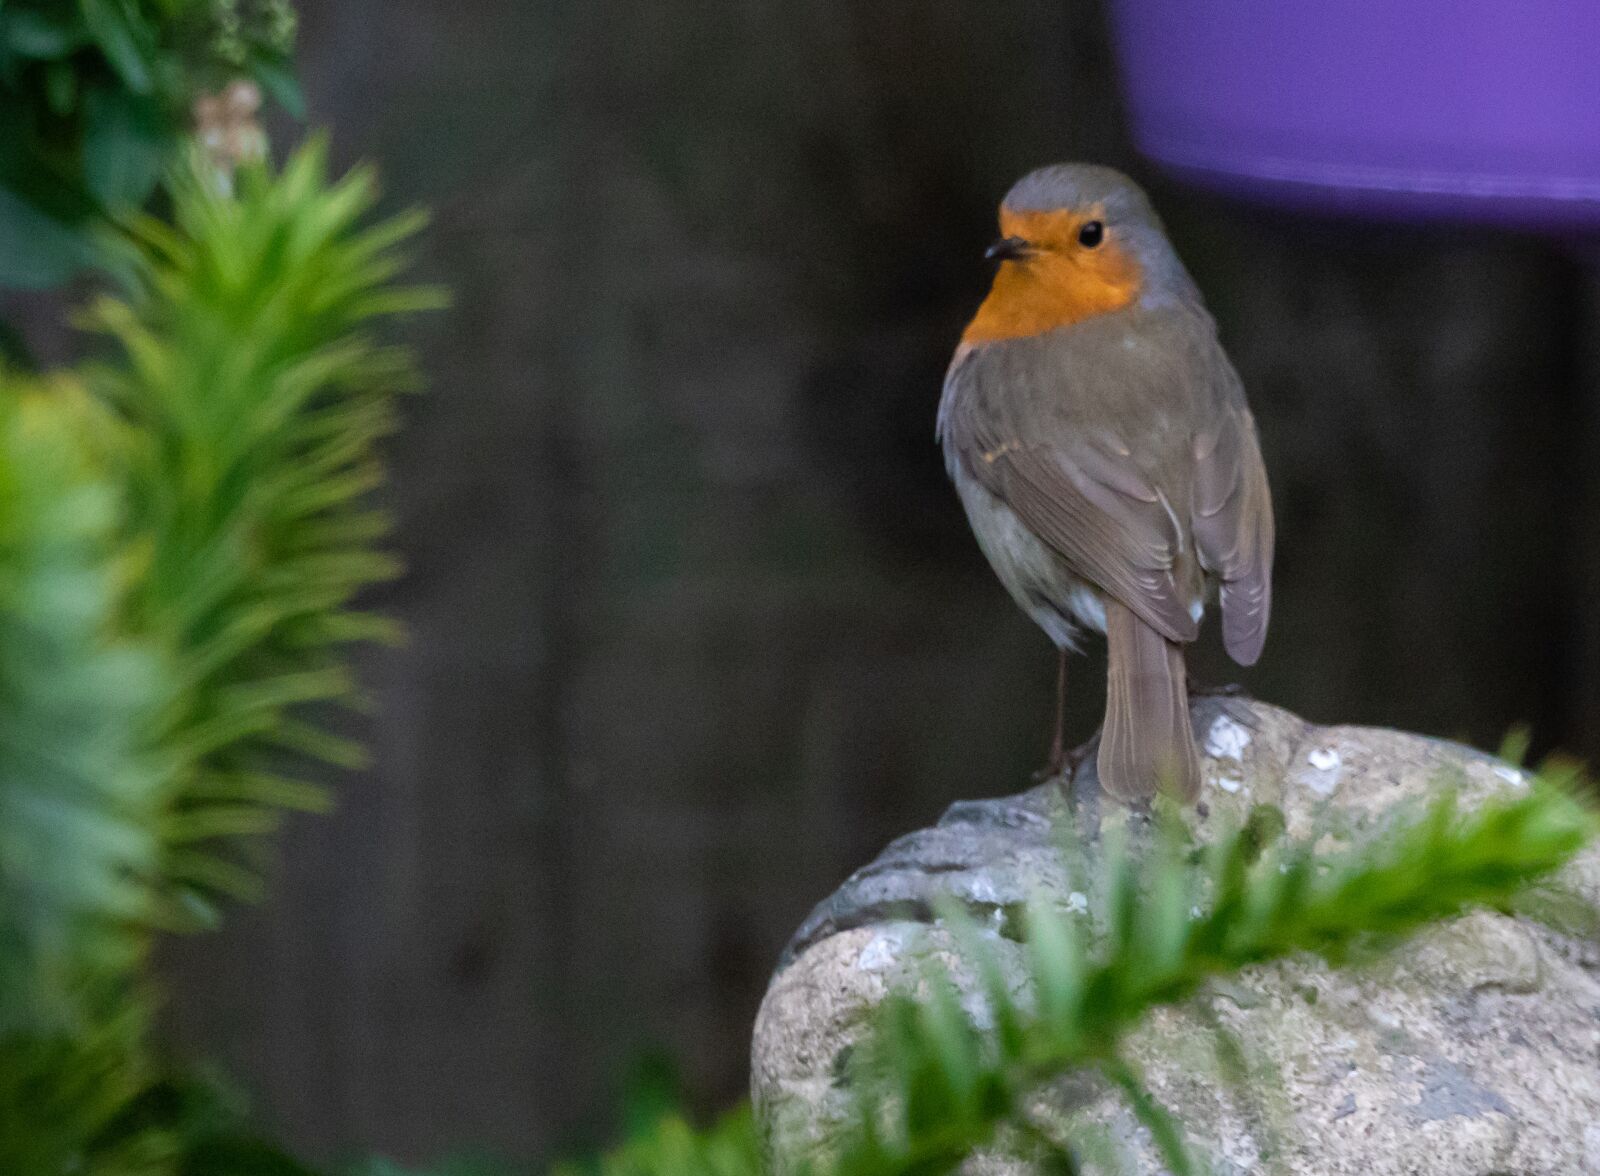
[(245, 407), (79, 792), (96, 94), (79, 796), (183, 526), (669, 1146)]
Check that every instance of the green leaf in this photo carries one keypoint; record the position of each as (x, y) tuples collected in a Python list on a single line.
[(37, 250), (1163, 1128), (127, 42), (60, 87), (125, 143), (276, 78), (29, 32)]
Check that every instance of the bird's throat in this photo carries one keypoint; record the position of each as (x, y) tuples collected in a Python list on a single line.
[(1045, 292)]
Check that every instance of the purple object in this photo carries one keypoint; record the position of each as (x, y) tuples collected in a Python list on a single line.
[(1415, 109)]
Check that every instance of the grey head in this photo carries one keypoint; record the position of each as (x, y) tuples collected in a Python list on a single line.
[(1127, 214)]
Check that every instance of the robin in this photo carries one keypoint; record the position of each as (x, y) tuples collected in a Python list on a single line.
[(1108, 463)]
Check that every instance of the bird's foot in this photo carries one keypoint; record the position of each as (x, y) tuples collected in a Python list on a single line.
[(1225, 690), (1062, 765)]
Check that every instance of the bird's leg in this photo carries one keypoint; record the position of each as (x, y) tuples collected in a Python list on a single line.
[(1058, 750), (1058, 746)]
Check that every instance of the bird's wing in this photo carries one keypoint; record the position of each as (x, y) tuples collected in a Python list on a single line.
[(1231, 518), (1011, 416)]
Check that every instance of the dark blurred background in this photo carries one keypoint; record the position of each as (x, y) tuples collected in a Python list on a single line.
[(697, 624)]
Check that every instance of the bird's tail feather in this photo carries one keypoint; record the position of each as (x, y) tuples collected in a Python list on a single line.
[(1147, 739)]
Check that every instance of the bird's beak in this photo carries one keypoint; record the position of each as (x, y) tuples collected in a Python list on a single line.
[(1009, 249)]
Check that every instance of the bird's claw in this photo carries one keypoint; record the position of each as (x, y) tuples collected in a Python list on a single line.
[(1061, 766)]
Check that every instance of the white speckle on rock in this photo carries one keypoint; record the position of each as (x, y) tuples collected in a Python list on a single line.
[(1229, 783), (981, 889), (1382, 1016), (1512, 776), (1077, 902), (877, 956), (1226, 740), (1324, 759), (1325, 765)]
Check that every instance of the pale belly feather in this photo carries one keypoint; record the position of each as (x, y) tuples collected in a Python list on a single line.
[(1059, 602)]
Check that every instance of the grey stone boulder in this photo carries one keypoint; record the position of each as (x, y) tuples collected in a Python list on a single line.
[(1472, 1049)]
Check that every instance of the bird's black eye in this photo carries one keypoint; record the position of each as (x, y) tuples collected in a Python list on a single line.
[(1091, 234)]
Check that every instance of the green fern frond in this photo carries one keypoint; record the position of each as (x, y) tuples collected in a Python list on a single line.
[(249, 398), (1169, 922)]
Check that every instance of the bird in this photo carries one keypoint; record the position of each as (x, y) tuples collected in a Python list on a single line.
[(1100, 443)]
